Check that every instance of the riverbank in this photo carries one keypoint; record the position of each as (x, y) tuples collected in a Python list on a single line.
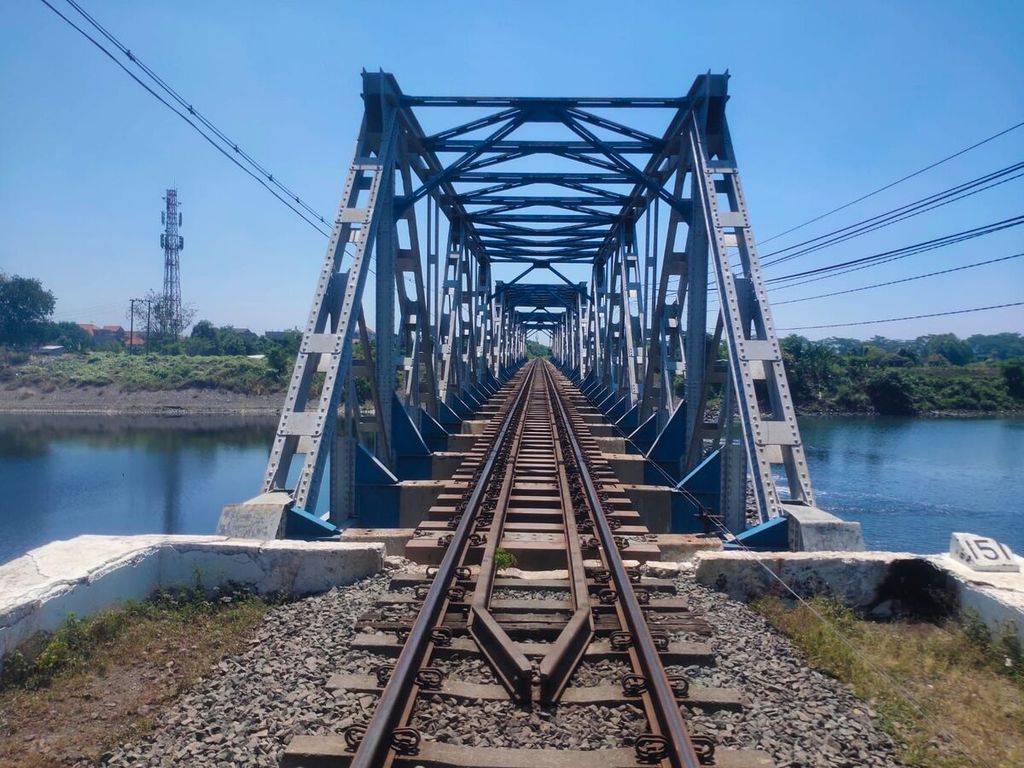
[(112, 399), (839, 413), (107, 382)]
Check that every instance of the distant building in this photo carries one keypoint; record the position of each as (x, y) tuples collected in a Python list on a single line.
[(135, 340), (282, 337), (104, 336), (245, 332)]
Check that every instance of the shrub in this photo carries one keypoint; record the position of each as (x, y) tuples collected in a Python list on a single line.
[(1013, 375), (892, 392)]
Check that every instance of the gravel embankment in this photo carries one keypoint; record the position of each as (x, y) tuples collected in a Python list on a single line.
[(798, 715), (248, 708)]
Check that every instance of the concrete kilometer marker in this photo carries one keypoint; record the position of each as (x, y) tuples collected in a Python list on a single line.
[(980, 553)]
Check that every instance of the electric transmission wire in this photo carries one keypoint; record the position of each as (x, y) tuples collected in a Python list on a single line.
[(187, 105), (892, 184), (888, 218), (183, 116), (867, 262), (896, 282), (261, 174), (891, 217), (908, 317), (908, 250)]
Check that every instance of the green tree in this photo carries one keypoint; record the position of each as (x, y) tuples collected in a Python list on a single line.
[(997, 346), (70, 335), (153, 317), (25, 307), (204, 329), (279, 359), (1013, 375), (955, 350), (891, 392), (536, 349)]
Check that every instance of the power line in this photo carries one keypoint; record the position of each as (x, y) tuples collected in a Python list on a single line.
[(835, 270), (895, 282), (885, 257), (908, 317), (183, 116), (909, 250), (898, 181), (261, 171), (186, 104), (893, 216), (888, 218)]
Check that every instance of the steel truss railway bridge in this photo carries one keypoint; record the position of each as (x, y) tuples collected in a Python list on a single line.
[(693, 395), (651, 419)]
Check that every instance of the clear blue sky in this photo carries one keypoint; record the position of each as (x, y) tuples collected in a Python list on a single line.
[(829, 100)]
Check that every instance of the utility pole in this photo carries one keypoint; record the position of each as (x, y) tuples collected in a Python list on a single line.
[(131, 326), (131, 314), (149, 310)]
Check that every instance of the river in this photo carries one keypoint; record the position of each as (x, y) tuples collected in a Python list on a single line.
[(910, 482)]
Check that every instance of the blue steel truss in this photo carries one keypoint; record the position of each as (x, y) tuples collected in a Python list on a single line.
[(652, 217)]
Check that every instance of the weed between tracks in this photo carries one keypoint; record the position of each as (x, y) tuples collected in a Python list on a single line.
[(98, 681), (504, 559), (952, 696)]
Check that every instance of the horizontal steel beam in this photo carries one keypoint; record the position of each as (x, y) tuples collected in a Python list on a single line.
[(464, 146), (543, 217), (488, 199), (673, 102), (501, 177)]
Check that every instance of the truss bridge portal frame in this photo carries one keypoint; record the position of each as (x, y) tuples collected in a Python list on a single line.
[(633, 229)]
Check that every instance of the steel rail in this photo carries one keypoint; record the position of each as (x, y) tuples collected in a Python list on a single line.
[(376, 743), (559, 664), (670, 719), (509, 663)]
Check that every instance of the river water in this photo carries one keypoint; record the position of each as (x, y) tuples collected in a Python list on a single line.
[(910, 482)]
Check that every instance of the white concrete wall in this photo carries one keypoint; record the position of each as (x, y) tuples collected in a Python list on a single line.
[(91, 573), (996, 598), (863, 580)]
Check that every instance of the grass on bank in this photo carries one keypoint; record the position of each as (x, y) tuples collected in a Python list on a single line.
[(97, 681), (951, 696), (151, 372)]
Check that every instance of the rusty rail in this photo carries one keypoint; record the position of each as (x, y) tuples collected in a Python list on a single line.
[(576, 498), (375, 746), (679, 747)]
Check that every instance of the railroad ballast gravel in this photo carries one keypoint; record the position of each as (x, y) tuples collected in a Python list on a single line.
[(247, 709)]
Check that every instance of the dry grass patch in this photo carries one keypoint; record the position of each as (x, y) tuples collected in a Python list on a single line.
[(952, 696), (99, 681)]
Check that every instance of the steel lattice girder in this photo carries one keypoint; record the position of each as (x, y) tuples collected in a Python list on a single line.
[(489, 197)]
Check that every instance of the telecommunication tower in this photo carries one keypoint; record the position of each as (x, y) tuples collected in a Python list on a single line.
[(172, 243)]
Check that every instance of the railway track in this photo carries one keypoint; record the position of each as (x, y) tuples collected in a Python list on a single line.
[(534, 487)]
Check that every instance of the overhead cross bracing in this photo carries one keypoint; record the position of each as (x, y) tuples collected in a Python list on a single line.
[(534, 187)]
